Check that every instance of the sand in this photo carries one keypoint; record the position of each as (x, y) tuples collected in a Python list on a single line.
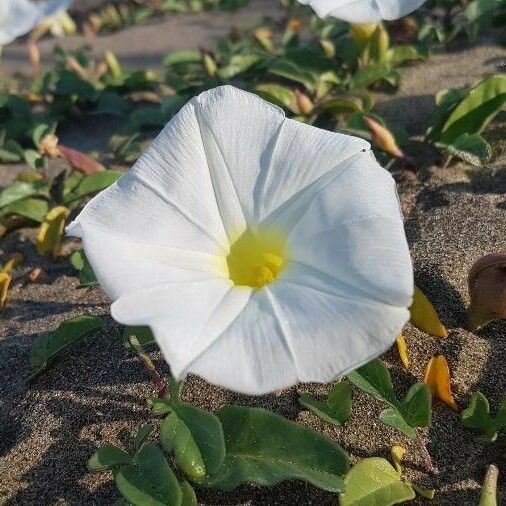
[(95, 393)]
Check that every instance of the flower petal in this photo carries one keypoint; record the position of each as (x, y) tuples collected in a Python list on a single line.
[(332, 334), (18, 17), (352, 230), (123, 266), (251, 356), (363, 11), (258, 158), (186, 318), (166, 200)]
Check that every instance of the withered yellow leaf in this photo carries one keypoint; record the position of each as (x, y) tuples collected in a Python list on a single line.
[(437, 378), (397, 454), (424, 316), (5, 281), (51, 231), (14, 261), (403, 350)]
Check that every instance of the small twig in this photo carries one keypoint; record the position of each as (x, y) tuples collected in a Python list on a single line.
[(158, 381)]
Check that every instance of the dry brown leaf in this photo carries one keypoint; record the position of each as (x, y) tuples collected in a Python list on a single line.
[(437, 378), (80, 161)]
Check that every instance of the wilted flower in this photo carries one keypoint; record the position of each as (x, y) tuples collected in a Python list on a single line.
[(261, 251), (18, 17), (363, 11)]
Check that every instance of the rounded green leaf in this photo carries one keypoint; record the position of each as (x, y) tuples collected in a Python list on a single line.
[(374, 481), (106, 457), (195, 437), (266, 448), (148, 480)]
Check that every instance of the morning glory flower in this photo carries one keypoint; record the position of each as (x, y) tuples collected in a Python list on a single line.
[(18, 17), (260, 251), (363, 11)]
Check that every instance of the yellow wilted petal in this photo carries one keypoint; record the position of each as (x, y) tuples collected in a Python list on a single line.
[(397, 454), (14, 261), (209, 65), (51, 231), (5, 281), (48, 146), (424, 316), (403, 350), (437, 378)]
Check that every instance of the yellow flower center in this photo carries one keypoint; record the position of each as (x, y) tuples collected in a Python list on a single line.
[(257, 258)]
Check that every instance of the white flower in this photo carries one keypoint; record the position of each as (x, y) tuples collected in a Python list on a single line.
[(261, 251), (18, 17), (363, 11)]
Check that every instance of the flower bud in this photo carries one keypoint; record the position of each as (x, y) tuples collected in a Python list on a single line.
[(306, 107), (487, 290), (328, 48), (209, 64), (383, 138), (362, 33)]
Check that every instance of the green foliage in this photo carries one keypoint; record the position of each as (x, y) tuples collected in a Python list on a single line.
[(463, 115), (374, 481), (405, 415), (195, 437), (336, 409), (80, 263), (143, 334), (265, 448), (47, 346), (144, 477), (92, 184), (477, 416)]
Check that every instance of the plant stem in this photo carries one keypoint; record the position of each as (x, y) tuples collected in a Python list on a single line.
[(158, 381), (489, 489)]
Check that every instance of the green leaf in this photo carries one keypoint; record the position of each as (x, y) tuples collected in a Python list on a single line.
[(149, 480), (265, 448), (111, 103), (374, 379), (142, 333), (107, 457), (393, 418), (477, 416), (374, 481), (34, 209), (80, 263), (189, 498), (238, 63), (416, 406), (178, 57), (414, 411), (196, 438), (92, 184), (21, 190), (279, 95), (48, 345), (290, 70), (472, 148), (141, 436), (400, 54), (336, 409), (369, 75), (476, 110)]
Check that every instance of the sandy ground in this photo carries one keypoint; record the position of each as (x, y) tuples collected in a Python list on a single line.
[(96, 392)]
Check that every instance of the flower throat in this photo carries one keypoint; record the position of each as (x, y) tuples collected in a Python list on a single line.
[(257, 258)]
